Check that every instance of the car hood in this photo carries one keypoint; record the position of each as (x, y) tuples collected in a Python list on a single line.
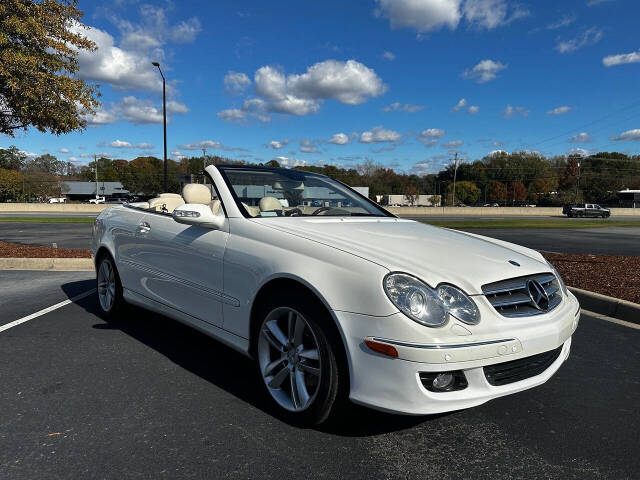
[(435, 255)]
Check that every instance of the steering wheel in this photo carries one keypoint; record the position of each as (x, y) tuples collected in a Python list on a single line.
[(320, 210), (294, 212)]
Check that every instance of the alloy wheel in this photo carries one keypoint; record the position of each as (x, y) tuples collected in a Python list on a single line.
[(106, 285), (289, 358)]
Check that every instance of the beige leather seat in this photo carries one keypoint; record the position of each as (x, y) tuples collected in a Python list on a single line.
[(166, 202), (198, 193), (251, 210), (270, 204)]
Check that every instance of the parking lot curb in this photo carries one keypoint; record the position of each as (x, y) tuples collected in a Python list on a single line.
[(53, 264), (609, 306)]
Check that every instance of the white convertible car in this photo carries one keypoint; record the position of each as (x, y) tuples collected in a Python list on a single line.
[(334, 296)]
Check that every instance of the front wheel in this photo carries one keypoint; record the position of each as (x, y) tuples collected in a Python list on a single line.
[(297, 362), (110, 300)]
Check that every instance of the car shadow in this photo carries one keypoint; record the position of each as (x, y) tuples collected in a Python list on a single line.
[(227, 369)]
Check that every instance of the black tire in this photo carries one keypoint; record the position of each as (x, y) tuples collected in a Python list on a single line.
[(321, 407), (118, 302)]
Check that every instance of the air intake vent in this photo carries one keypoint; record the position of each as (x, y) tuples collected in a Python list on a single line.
[(516, 370), (524, 296)]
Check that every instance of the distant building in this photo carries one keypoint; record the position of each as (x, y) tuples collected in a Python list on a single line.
[(629, 198), (404, 201), (86, 190)]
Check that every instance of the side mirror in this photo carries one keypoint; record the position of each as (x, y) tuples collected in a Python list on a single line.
[(198, 214)]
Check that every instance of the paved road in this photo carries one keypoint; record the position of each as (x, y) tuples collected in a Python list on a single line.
[(145, 397), (65, 235), (611, 240)]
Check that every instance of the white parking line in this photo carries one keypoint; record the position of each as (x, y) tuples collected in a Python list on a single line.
[(44, 311), (624, 323)]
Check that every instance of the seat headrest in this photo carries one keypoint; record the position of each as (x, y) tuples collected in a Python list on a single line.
[(196, 193), (268, 204), (169, 195)]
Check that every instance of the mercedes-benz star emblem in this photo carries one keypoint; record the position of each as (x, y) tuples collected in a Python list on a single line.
[(538, 295)]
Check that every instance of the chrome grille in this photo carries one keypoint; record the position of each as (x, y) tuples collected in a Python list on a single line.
[(511, 297)]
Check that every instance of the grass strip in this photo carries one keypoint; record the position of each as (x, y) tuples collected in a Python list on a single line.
[(533, 223)]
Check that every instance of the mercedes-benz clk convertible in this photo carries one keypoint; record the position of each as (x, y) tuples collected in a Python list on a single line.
[(333, 296)]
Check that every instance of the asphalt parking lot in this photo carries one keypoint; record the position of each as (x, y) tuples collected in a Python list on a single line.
[(146, 397), (604, 240)]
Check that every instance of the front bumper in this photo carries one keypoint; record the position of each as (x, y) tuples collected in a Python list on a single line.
[(393, 384)]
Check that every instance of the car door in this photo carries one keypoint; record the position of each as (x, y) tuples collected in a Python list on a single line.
[(589, 210), (182, 265)]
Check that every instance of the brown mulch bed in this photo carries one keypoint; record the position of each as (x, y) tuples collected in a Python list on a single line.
[(613, 275), (15, 250)]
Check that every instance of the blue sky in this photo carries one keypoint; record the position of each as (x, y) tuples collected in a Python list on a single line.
[(405, 83)]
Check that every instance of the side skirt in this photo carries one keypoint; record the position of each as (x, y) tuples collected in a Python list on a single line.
[(231, 340)]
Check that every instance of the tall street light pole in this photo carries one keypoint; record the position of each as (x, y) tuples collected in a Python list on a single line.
[(455, 174), (164, 121)]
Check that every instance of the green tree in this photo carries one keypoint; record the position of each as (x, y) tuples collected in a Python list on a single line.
[(46, 163), (10, 184), (496, 191), (466, 192), (39, 45), (12, 158), (145, 176)]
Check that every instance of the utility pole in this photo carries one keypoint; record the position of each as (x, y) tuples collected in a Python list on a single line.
[(455, 173), (577, 183), (164, 121), (204, 164), (95, 162)]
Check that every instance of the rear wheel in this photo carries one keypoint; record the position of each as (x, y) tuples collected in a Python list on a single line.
[(109, 287), (296, 360)]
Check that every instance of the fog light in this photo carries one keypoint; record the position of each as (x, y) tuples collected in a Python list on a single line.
[(442, 381)]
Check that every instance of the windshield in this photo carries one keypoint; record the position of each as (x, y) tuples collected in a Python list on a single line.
[(285, 193)]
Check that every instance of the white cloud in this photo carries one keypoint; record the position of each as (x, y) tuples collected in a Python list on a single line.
[(583, 137), (349, 82), (484, 71), (307, 146), (379, 135), (276, 144), (565, 21), (233, 115), (403, 107), (176, 107), (621, 59), (201, 145), (73, 159), (387, 55), (559, 110), (339, 139), (461, 104), (139, 111), (473, 109), (290, 162), (517, 111), (124, 144), (154, 30), (236, 82), (430, 136), (420, 15), (497, 143), (579, 151), (429, 15), (629, 135), (186, 31), (589, 37), (177, 154), (452, 144), (493, 153), (490, 14), (64, 150), (120, 68), (100, 117)]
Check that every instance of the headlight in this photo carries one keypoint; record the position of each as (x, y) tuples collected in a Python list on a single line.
[(427, 306), (563, 287)]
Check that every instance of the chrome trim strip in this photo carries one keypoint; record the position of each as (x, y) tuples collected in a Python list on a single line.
[(223, 298), (444, 346)]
